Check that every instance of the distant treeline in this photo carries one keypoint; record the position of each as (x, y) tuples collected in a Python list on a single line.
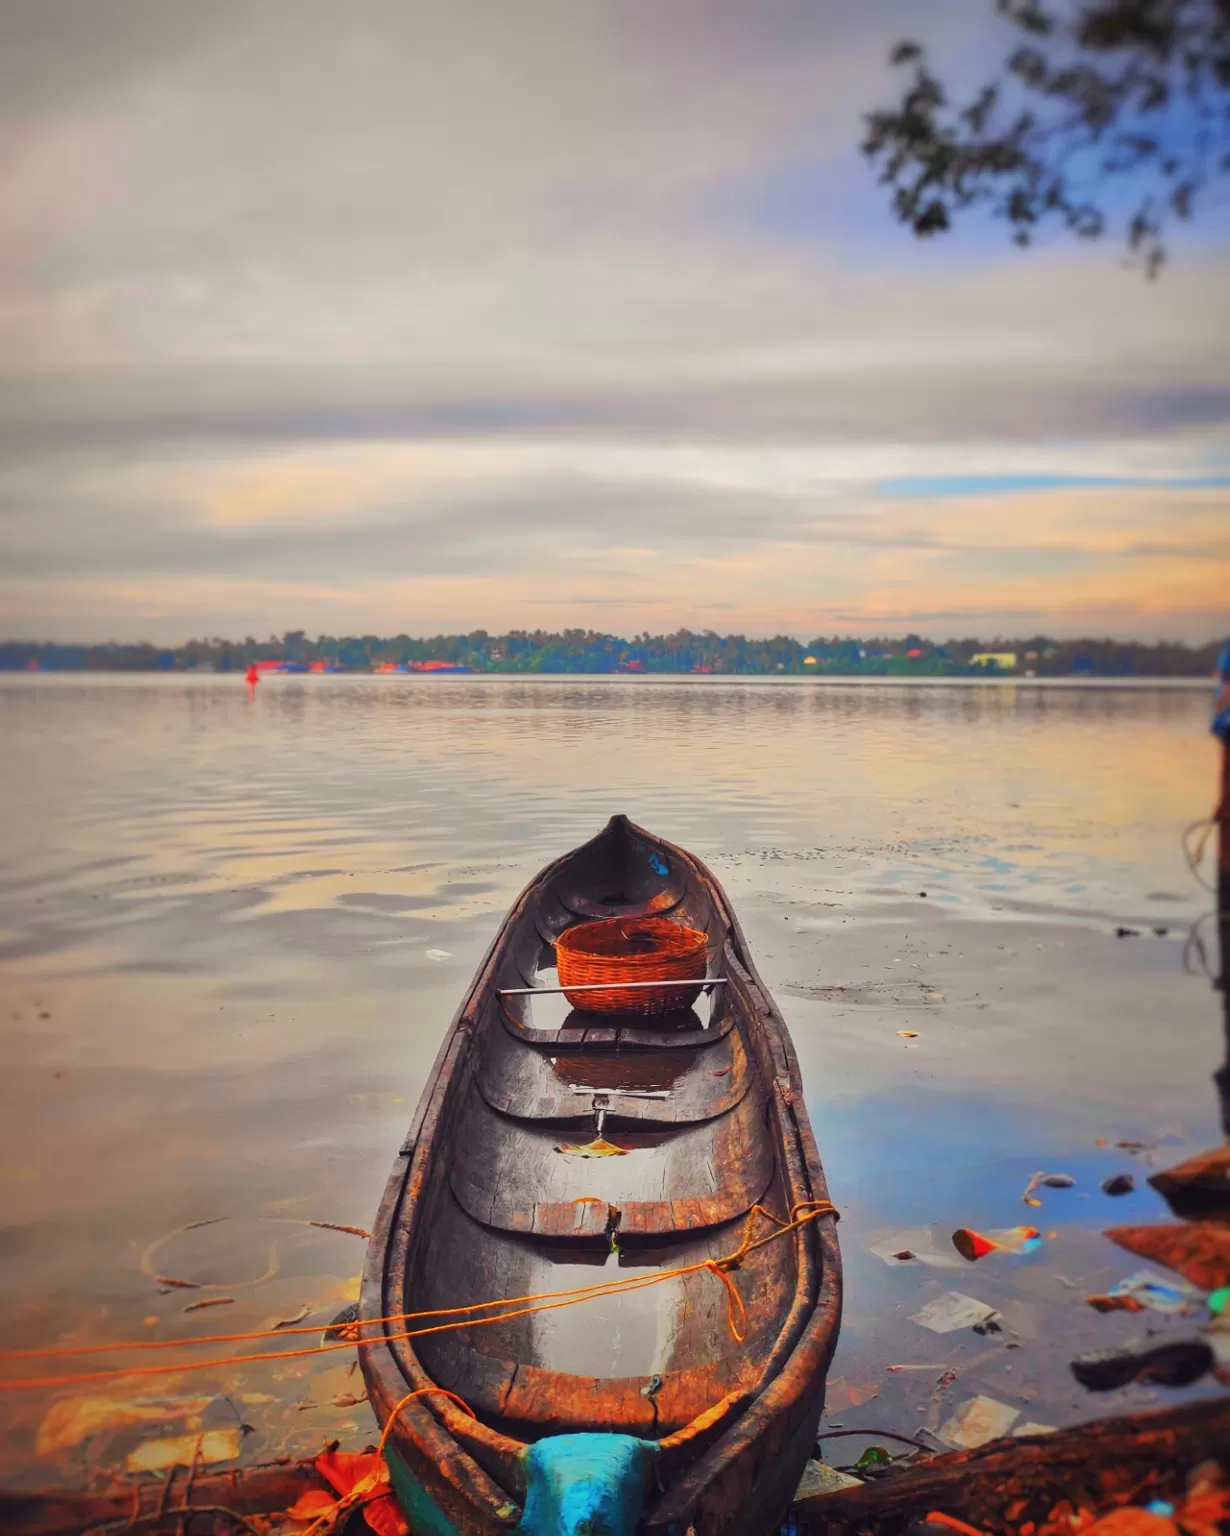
[(586, 650)]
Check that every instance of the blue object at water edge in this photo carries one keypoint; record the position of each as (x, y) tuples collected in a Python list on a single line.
[(1221, 703), (585, 1485)]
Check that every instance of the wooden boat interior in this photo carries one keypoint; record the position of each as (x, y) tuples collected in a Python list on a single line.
[(528, 1207)]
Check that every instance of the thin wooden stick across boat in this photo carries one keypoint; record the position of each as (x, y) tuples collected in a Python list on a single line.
[(605, 986), (650, 1160)]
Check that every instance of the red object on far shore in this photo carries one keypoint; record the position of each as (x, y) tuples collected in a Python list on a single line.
[(253, 675)]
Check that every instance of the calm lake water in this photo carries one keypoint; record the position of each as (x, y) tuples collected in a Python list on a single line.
[(235, 924)]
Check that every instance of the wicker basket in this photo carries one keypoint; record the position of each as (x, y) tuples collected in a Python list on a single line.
[(631, 949)]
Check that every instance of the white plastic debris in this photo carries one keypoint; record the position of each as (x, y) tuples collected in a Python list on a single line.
[(976, 1422), (439, 954), (818, 1479), (923, 1246), (951, 1311), (1161, 1293)]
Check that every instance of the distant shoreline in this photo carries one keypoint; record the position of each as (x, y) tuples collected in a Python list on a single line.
[(683, 653), (620, 679)]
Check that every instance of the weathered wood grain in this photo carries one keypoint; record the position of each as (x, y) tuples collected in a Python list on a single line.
[(134, 1503), (1082, 1465), (669, 1084)]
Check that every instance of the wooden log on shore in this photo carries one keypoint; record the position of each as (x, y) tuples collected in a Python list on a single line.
[(1001, 1486), (1146, 1455), (208, 1502)]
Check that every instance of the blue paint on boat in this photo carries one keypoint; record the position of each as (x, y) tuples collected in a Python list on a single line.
[(424, 1515), (585, 1485)]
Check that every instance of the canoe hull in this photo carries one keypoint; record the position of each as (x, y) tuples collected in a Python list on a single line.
[(497, 1193)]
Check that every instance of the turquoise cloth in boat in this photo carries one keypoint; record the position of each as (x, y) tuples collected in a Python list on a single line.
[(585, 1485)]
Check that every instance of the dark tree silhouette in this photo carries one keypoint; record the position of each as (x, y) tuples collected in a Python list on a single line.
[(1096, 93)]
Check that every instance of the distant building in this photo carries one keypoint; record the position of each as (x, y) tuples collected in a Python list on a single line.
[(1003, 661)]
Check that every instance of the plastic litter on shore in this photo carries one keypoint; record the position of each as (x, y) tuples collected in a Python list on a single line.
[(1146, 1289), (818, 1479), (1154, 1361)]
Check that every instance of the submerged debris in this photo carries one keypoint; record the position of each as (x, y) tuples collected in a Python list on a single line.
[(75, 1419), (1145, 1289), (1159, 1362), (291, 1322), (343, 1326), (976, 1422), (205, 1449), (952, 1311), (1046, 1181), (920, 1243)]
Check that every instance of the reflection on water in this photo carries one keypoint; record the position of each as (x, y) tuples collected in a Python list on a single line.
[(236, 924)]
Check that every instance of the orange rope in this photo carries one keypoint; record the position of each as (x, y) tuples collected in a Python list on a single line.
[(612, 1287), (733, 1300), (409, 1397), (800, 1215), (63, 1350)]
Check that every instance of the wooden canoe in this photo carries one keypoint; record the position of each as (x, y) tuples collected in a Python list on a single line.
[(492, 1196)]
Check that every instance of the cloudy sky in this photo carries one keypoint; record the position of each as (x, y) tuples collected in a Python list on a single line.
[(409, 316)]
